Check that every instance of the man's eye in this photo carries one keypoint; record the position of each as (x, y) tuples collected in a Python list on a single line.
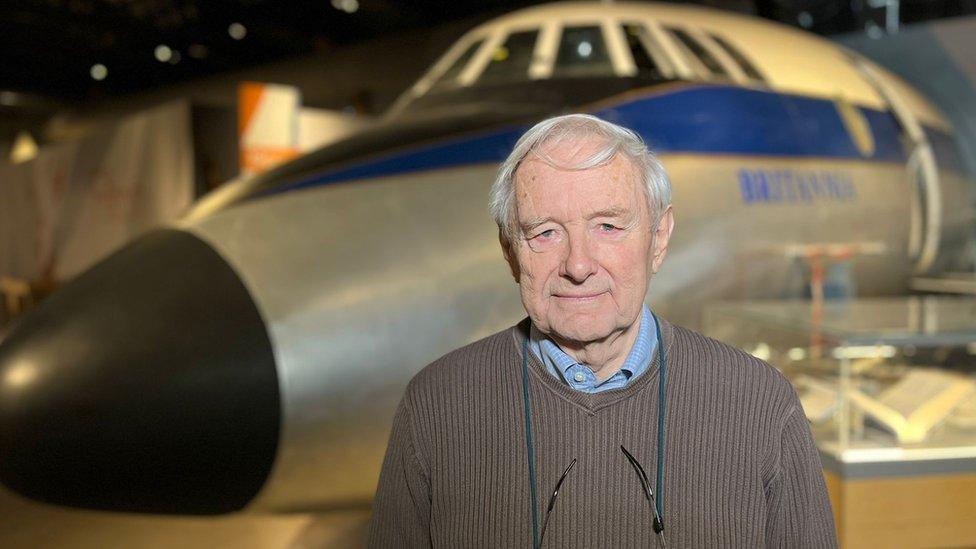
[(607, 227), (544, 240)]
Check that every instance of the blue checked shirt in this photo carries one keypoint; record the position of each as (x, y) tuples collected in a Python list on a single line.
[(579, 376)]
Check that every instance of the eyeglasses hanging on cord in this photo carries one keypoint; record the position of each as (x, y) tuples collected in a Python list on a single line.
[(656, 521)]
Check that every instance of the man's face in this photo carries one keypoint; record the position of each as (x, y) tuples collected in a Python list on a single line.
[(587, 249)]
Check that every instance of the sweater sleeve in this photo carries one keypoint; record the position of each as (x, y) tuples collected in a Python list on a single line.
[(798, 508), (401, 507)]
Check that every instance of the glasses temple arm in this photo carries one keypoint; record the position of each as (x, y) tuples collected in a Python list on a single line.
[(642, 476), (552, 501)]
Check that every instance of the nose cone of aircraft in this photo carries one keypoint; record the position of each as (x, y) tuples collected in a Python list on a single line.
[(147, 384)]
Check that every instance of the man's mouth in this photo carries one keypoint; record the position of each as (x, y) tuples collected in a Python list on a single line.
[(579, 296)]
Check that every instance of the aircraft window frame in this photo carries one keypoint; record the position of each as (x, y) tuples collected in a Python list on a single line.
[(728, 63), (735, 54), (616, 43), (496, 38), (546, 47), (477, 65), (537, 31), (681, 65), (422, 86), (613, 33), (441, 81), (616, 61), (652, 47), (698, 66)]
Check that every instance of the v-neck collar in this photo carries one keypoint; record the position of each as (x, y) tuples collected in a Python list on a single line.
[(590, 402)]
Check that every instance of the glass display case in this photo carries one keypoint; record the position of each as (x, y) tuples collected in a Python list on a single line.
[(889, 385)]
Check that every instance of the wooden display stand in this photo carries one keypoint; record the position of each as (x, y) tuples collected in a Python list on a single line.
[(934, 510)]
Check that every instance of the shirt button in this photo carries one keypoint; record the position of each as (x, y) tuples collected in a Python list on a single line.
[(579, 377)]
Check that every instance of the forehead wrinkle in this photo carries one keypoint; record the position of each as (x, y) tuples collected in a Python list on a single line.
[(568, 152), (533, 168)]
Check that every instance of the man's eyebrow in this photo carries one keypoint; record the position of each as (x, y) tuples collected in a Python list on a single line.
[(611, 212), (534, 222), (530, 224)]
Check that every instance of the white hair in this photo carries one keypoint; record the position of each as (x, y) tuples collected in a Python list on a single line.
[(616, 140)]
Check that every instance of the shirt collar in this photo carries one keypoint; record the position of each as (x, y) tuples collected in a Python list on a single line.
[(559, 363)]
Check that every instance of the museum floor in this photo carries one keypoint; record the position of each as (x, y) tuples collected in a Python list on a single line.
[(27, 524)]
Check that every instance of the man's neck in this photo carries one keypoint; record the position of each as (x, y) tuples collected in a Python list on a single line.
[(606, 356)]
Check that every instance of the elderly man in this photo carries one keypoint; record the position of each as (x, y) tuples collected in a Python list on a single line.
[(594, 423)]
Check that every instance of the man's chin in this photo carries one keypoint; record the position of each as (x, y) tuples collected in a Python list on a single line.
[(580, 334)]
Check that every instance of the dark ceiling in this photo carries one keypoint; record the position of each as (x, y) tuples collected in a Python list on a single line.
[(48, 48)]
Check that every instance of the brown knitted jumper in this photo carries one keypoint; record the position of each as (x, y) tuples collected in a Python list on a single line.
[(741, 468)]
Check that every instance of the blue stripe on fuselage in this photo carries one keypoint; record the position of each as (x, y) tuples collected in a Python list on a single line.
[(743, 121), (693, 119)]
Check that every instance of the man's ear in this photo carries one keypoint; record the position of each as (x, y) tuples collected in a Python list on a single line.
[(509, 254), (662, 236)]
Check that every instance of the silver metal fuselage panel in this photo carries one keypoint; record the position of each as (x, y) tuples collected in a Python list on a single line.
[(363, 283)]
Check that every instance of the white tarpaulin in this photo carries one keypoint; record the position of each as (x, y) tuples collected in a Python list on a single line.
[(78, 201)]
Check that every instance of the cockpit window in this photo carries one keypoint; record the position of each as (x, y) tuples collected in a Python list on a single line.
[(747, 67), (640, 43), (448, 79), (582, 52), (700, 52), (511, 60)]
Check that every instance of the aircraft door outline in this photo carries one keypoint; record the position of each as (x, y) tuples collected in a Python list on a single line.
[(926, 200)]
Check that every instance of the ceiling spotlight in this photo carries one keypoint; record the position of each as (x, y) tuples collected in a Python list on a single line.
[(348, 6), (99, 71), (24, 149), (163, 53), (237, 31), (805, 19)]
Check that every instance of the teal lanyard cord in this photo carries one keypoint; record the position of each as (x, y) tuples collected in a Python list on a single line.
[(528, 440), (527, 406), (659, 482)]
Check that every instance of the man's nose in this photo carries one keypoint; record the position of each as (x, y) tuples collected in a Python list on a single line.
[(579, 262)]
